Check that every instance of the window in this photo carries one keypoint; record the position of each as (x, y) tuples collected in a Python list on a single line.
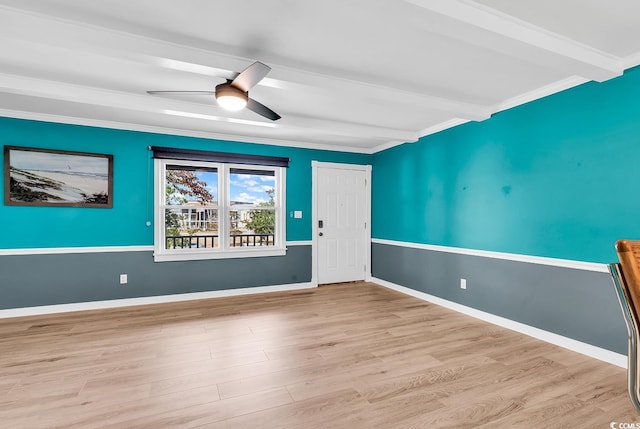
[(208, 210)]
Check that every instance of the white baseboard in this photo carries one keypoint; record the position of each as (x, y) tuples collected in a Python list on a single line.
[(128, 302), (568, 343)]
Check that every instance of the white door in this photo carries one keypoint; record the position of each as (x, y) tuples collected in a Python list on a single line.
[(341, 230)]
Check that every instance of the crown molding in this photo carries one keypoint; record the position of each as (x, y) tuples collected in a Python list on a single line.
[(541, 92)]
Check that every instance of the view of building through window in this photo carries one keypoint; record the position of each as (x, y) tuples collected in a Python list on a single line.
[(193, 210)]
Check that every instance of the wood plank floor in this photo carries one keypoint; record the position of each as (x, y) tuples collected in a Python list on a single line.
[(342, 356)]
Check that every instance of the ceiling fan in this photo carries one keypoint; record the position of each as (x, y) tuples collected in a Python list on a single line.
[(234, 94)]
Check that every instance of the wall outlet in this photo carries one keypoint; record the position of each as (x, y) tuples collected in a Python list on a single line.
[(463, 283), (123, 279)]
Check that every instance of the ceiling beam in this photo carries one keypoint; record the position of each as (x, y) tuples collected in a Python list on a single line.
[(217, 60), (218, 135), (296, 79), (165, 106), (347, 129), (589, 62)]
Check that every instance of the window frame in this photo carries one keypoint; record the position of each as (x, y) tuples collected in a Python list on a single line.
[(224, 207)]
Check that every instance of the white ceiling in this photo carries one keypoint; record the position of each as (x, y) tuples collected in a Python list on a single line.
[(356, 75)]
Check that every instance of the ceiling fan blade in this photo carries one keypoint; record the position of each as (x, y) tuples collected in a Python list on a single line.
[(181, 92), (250, 76), (261, 109)]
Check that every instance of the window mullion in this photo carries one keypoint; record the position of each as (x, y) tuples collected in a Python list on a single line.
[(223, 221)]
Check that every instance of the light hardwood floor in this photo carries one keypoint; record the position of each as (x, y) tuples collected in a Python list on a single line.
[(351, 356)]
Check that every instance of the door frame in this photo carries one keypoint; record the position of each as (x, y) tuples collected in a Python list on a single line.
[(314, 214)]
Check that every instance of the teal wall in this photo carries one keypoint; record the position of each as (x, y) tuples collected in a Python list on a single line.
[(124, 224), (558, 177)]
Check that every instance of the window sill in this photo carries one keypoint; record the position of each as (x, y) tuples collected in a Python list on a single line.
[(195, 255)]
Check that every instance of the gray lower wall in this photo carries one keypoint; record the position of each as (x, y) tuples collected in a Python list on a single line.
[(34, 280), (574, 303)]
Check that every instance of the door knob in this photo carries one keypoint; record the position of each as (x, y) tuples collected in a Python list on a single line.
[(320, 234)]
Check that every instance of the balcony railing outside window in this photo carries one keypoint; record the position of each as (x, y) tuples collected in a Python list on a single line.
[(212, 241)]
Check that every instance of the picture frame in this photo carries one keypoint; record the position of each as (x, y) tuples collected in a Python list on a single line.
[(57, 178)]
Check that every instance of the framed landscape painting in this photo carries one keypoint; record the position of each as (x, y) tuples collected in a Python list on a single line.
[(44, 177)]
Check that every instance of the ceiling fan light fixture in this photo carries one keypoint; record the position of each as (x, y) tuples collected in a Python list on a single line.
[(230, 97), (233, 95)]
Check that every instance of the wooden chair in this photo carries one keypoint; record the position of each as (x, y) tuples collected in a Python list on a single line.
[(626, 279)]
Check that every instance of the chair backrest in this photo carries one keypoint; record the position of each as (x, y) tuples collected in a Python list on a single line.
[(626, 281), (629, 256)]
